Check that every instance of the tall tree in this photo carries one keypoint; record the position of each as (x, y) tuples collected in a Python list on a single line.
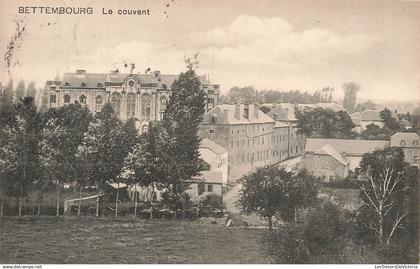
[(350, 93), (63, 132), (8, 142), (383, 193), (28, 136), (102, 149), (178, 135)]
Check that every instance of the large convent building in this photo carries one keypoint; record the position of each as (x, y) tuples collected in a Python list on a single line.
[(139, 96)]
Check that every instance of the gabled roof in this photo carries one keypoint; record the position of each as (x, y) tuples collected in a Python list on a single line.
[(371, 115), (213, 146), (330, 151), (409, 139), (356, 120), (225, 114), (350, 147)]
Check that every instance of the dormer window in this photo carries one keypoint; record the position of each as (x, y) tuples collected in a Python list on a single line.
[(83, 85), (67, 84), (99, 85), (82, 99), (213, 118), (402, 143)]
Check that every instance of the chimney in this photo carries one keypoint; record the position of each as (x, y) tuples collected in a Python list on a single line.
[(237, 111), (256, 111)]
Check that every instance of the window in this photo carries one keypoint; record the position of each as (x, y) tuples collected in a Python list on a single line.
[(211, 131), (66, 99), (131, 105), (52, 98), (213, 119), (231, 144), (83, 85), (163, 103), (209, 188), (415, 143), (116, 102), (98, 102), (67, 84), (402, 143), (232, 131), (82, 99), (99, 85), (145, 106), (144, 129)]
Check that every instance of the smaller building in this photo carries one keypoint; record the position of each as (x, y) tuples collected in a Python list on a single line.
[(215, 156), (351, 150), (409, 142), (326, 163), (371, 117)]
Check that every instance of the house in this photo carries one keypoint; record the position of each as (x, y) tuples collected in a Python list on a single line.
[(351, 150), (409, 142), (371, 116), (326, 163), (215, 156)]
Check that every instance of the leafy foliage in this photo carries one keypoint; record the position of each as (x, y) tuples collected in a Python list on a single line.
[(271, 190), (325, 123)]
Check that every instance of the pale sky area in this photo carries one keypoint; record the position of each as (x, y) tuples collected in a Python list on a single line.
[(281, 45)]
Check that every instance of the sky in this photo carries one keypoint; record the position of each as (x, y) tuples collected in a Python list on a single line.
[(280, 45)]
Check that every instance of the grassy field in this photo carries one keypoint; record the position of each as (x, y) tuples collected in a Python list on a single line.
[(90, 240)]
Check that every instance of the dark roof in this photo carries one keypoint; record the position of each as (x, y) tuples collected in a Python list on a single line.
[(91, 80)]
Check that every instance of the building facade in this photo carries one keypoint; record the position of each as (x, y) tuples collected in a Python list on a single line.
[(215, 156), (409, 142), (139, 96), (252, 138)]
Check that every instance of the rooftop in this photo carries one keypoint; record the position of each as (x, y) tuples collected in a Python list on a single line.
[(371, 115), (98, 80), (330, 151), (236, 114), (350, 147), (213, 146)]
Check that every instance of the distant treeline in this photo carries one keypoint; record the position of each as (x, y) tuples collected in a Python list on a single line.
[(251, 95)]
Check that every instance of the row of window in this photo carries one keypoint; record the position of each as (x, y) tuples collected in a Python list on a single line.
[(415, 143), (263, 155), (116, 103)]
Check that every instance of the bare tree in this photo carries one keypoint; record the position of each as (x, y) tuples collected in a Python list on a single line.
[(378, 192)]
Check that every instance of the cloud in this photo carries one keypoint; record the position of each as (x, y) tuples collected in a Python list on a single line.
[(272, 41)]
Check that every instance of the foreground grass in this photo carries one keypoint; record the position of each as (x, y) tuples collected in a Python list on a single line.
[(90, 240)]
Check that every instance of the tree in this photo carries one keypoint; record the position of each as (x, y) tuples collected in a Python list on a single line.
[(390, 121), (325, 123), (365, 106), (31, 90), (350, 92), (27, 138), (374, 132), (383, 191), (63, 132), (20, 90), (178, 135), (101, 148), (322, 237), (8, 143), (271, 190)]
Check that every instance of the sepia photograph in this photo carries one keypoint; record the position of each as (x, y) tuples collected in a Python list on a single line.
[(209, 132)]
